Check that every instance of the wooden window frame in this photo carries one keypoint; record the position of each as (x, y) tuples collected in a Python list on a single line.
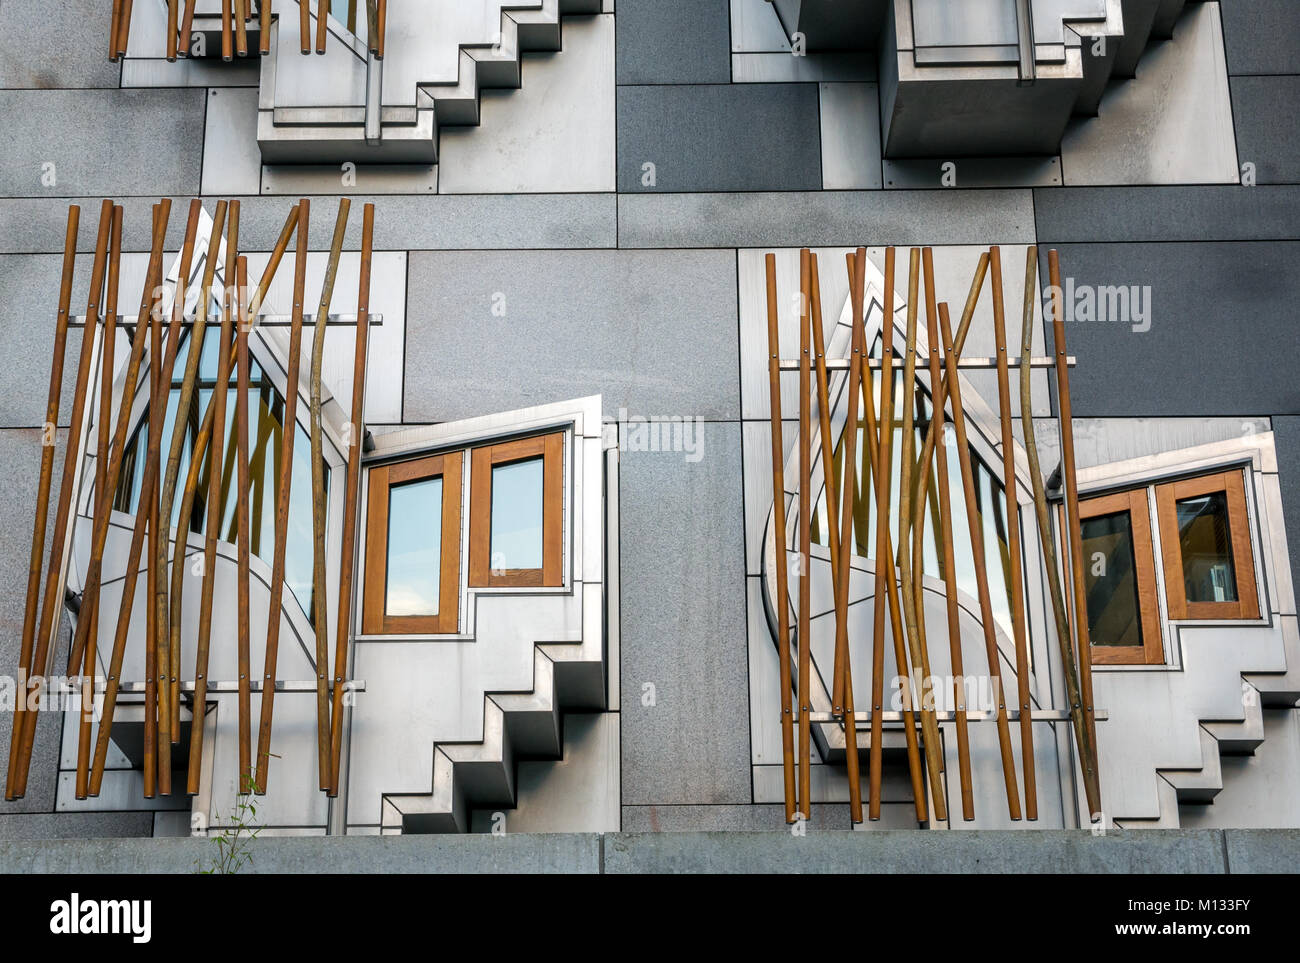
[(550, 448), (1232, 484), (374, 620), (1152, 649)]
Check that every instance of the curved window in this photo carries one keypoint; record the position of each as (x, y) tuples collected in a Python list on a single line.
[(990, 500), (265, 432)]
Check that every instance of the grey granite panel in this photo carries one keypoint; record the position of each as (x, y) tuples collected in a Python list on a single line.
[(401, 222), (1077, 851), (765, 818), (723, 137), (1221, 329), (674, 42), (1262, 850), (75, 825), (1286, 437), (1260, 36), (654, 332), (55, 43), (827, 218), (1259, 105), (683, 645), (510, 853), (1167, 213), (114, 142)]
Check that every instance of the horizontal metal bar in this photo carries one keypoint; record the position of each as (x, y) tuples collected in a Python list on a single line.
[(79, 320), (842, 364), (137, 688), (863, 718)]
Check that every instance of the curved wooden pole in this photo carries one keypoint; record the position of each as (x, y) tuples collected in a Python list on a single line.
[(241, 517), (805, 539)]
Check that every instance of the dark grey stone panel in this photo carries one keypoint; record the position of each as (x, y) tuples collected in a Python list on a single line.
[(1222, 329), (75, 825), (728, 137), (653, 332), (683, 614), (761, 818), (1262, 850), (674, 42), (1167, 213), (1263, 109), (108, 142), (20, 457), (55, 43), (826, 218), (416, 222), (1073, 851), (1260, 36), (1286, 437)]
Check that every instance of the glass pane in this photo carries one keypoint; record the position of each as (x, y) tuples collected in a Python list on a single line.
[(1114, 612), (1203, 535), (517, 515), (414, 548)]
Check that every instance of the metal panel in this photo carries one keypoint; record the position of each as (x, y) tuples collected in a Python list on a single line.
[(850, 128)]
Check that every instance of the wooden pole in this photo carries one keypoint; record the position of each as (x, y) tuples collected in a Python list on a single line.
[(241, 515), (172, 11), (304, 28), (275, 615), (187, 25), (322, 24), (124, 28), (102, 500), (352, 16), (1013, 539), (383, 27), (241, 27), (805, 546), (929, 726), (212, 524), (114, 28), (227, 31), (842, 546), (352, 491), (264, 27), (319, 600), (49, 434), (778, 525), (1083, 650), (981, 573)]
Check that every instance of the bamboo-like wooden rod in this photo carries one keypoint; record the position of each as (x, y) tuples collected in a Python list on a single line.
[(275, 615), (917, 665), (1065, 641), (91, 600), (805, 541), (264, 27), (99, 532), (778, 526), (352, 489), (981, 572), (844, 542), (382, 20), (124, 28), (322, 24), (49, 436), (170, 595), (944, 538), (173, 9), (319, 597), (241, 27), (1018, 618), (241, 517), (52, 605), (187, 26), (212, 524), (227, 31), (258, 294), (304, 27), (372, 26), (352, 16), (114, 28), (1083, 652)]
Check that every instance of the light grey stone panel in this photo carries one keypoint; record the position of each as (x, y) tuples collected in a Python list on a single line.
[(683, 646), (1262, 850), (1166, 214), (76, 825), (792, 219), (110, 142), (768, 818), (674, 42), (55, 44), (232, 164), (653, 332)]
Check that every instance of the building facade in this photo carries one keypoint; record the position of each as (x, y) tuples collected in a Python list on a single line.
[(562, 330)]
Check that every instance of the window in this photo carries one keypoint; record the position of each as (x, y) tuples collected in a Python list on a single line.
[(1206, 548), (517, 513), (1120, 580), (412, 583)]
